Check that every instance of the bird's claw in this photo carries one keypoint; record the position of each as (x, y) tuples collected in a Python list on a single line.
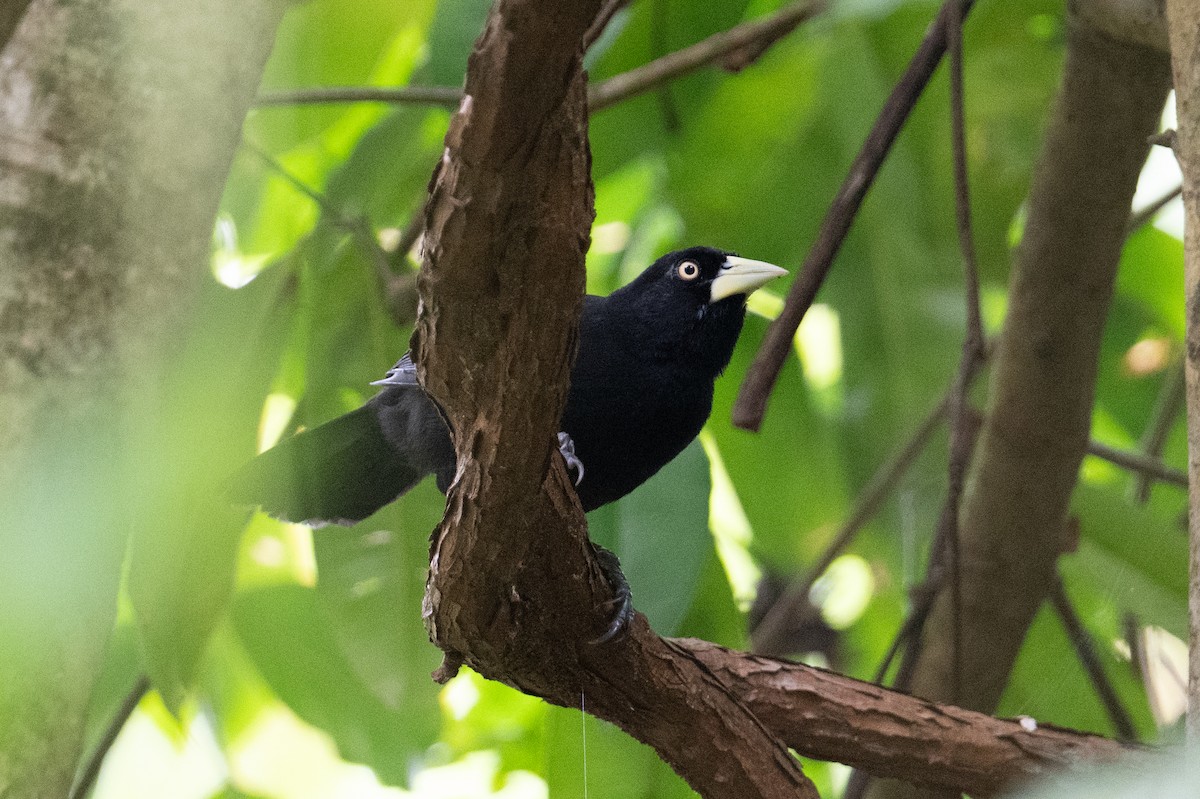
[(567, 447), (621, 604)]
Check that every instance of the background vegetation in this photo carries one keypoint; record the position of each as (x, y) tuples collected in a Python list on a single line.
[(290, 663)]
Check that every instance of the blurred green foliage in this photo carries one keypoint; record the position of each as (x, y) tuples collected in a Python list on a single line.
[(291, 651)]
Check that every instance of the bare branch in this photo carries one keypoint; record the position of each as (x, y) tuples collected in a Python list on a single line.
[(1148, 213), (1167, 406), (514, 589), (1135, 462), (1085, 649), (756, 34), (756, 389), (961, 437), (445, 96), (741, 45), (891, 734)]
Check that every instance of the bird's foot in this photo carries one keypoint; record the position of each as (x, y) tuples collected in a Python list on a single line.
[(621, 605), (567, 447)]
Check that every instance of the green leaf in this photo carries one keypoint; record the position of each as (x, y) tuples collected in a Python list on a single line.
[(370, 589), (611, 760), (1151, 274), (1148, 541), (185, 532), (385, 176), (660, 534), (451, 38), (292, 642)]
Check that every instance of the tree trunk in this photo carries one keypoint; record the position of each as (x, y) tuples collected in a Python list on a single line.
[(120, 119), (1183, 23), (10, 16), (1039, 409)]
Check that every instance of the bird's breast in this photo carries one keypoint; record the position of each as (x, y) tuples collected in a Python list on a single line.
[(628, 429)]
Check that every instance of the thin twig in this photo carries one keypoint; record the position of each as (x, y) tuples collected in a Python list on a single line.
[(756, 389), (910, 634), (753, 36), (1166, 409), (962, 434), (607, 12), (768, 633), (393, 286), (1085, 650), (91, 767), (359, 228), (1148, 213), (974, 345), (1136, 462), (446, 96), (961, 438), (715, 47)]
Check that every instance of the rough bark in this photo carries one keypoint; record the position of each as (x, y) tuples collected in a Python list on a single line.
[(1184, 27), (889, 734), (119, 121), (1039, 407), (513, 589)]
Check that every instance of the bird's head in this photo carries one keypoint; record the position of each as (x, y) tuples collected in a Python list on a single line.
[(695, 300)]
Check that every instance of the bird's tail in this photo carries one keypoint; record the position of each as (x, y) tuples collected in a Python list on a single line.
[(338, 473)]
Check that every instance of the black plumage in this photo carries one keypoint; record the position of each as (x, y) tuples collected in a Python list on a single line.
[(641, 389)]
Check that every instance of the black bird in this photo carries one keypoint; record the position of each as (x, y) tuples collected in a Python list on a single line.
[(641, 389)]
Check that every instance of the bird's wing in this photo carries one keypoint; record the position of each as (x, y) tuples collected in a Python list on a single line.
[(404, 373)]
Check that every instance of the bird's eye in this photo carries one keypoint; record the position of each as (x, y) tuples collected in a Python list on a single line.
[(688, 270)]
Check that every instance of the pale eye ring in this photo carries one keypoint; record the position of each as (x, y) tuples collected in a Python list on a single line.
[(688, 270)]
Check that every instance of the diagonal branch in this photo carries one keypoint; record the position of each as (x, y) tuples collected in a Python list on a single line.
[(827, 716), (513, 587), (1085, 650), (754, 36), (1149, 468), (756, 389)]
